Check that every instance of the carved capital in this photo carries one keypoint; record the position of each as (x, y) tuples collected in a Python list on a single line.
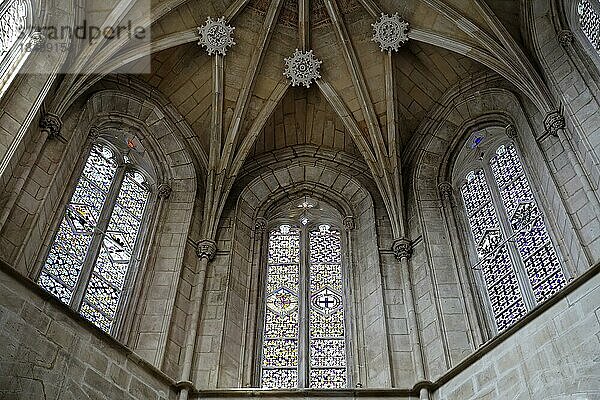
[(164, 191), (51, 124), (565, 37), (349, 223), (94, 133), (553, 122), (511, 131), (206, 249), (260, 225), (402, 248), (37, 39), (446, 192)]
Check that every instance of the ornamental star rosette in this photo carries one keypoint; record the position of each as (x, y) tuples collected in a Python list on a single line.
[(302, 68), (215, 35), (390, 32)]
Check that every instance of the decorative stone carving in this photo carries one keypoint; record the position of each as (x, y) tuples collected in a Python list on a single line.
[(37, 40), (302, 68), (565, 37), (206, 249), (51, 124), (260, 225), (402, 248), (553, 122), (446, 192), (390, 32), (215, 35), (94, 133), (349, 223), (164, 191), (511, 131)]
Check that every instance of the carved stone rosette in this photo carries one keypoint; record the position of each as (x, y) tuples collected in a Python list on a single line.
[(349, 223), (302, 68), (402, 248), (390, 32), (215, 35), (553, 122), (51, 124), (206, 249)]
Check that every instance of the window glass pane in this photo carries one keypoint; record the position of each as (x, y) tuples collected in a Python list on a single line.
[(108, 276), (327, 337), (280, 336), (532, 240), (12, 23), (498, 272), (589, 20), (69, 249)]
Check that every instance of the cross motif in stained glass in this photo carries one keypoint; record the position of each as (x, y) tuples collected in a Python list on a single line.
[(282, 301), (285, 307), (72, 249), (326, 301)]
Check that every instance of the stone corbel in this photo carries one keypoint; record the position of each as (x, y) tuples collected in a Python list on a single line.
[(164, 191), (51, 124), (349, 223), (565, 37), (260, 225), (402, 248), (206, 249), (553, 122)]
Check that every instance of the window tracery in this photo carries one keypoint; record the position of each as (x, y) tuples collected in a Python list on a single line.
[(519, 264), (304, 335), (94, 248), (13, 22), (589, 21)]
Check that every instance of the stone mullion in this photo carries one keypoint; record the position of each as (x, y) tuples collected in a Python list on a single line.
[(513, 252), (477, 324), (304, 310), (403, 250), (97, 238)]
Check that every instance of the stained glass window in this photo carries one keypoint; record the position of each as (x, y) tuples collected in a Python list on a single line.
[(317, 357), (13, 21), (96, 240), (589, 21), (516, 225), (532, 240)]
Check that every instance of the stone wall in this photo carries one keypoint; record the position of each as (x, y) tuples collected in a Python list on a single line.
[(49, 352), (555, 356)]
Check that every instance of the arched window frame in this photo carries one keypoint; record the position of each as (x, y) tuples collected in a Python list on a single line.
[(13, 60), (483, 162), (304, 293), (589, 55), (122, 320)]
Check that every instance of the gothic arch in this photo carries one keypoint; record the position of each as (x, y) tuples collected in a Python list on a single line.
[(239, 254), (438, 256)]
